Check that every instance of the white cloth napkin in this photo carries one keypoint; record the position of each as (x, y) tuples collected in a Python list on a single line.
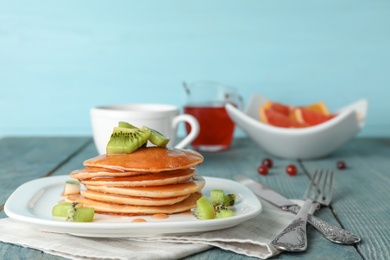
[(251, 238)]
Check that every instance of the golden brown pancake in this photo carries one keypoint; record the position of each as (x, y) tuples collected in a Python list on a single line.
[(131, 200), (165, 191), (153, 179), (92, 172), (150, 159), (109, 208), (150, 180)]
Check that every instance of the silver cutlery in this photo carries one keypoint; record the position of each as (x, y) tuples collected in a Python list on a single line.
[(293, 237), (331, 232)]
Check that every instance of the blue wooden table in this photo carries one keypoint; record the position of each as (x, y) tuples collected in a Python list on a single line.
[(361, 195)]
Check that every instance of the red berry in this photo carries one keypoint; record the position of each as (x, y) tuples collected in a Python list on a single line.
[(291, 169), (341, 165), (267, 162), (263, 170)]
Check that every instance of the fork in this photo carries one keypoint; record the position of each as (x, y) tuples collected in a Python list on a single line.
[(293, 238)]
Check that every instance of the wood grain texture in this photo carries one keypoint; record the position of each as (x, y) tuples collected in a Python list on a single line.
[(360, 198), (28, 158), (361, 193), (244, 157), (25, 159)]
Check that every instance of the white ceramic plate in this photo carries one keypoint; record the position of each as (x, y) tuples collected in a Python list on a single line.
[(32, 202)]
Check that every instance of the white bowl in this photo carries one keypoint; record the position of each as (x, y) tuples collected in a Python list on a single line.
[(300, 143)]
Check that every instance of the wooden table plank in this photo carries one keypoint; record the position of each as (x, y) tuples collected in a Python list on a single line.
[(24, 159), (13, 252), (361, 193), (76, 162)]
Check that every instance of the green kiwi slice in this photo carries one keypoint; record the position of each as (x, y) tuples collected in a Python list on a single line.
[(71, 187), (77, 213), (61, 209), (82, 214), (157, 138), (126, 125), (217, 197), (229, 200), (73, 212), (223, 212), (204, 209), (127, 140), (216, 207)]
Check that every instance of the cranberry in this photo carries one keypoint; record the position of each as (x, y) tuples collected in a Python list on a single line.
[(291, 169), (263, 170), (341, 165), (267, 162)]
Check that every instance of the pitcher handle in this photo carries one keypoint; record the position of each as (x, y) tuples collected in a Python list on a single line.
[(194, 129)]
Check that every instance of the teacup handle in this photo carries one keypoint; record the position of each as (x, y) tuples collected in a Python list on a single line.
[(194, 129)]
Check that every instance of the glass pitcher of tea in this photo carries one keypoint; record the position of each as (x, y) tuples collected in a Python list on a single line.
[(206, 102)]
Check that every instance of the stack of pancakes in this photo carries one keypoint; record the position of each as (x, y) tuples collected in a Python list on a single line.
[(150, 180)]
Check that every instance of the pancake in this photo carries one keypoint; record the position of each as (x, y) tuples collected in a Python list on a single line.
[(131, 200), (148, 159), (165, 191), (109, 208), (92, 172), (152, 179)]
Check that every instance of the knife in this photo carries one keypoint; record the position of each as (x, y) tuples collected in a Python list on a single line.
[(331, 232)]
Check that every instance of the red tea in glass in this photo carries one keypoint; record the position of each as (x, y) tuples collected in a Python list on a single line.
[(206, 102), (216, 127)]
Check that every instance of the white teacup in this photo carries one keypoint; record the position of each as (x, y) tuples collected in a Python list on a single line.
[(161, 117)]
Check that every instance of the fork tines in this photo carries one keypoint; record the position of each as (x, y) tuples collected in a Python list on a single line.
[(325, 192)]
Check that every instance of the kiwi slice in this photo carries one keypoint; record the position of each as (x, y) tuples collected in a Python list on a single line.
[(229, 200), (127, 140), (204, 209), (71, 187), (223, 212), (61, 209), (217, 197), (157, 138), (73, 212), (126, 125), (81, 214)]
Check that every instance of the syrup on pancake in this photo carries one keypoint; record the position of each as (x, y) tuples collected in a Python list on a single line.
[(148, 159)]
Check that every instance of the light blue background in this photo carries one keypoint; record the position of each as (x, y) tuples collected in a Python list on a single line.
[(60, 58)]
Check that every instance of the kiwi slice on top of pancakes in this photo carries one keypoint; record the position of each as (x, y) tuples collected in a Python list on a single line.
[(126, 125), (157, 138), (127, 140)]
